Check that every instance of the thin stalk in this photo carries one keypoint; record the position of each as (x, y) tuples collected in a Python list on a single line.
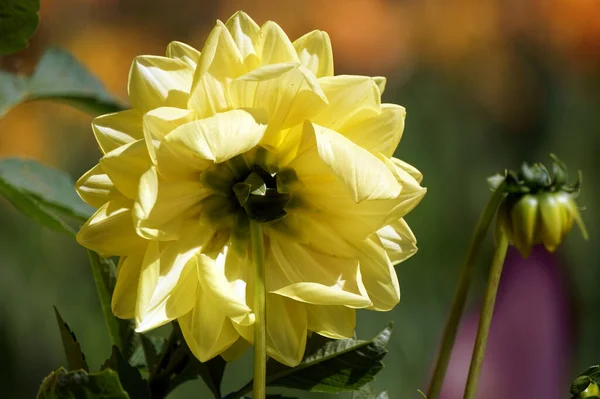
[(485, 319), (460, 296), (260, 312)]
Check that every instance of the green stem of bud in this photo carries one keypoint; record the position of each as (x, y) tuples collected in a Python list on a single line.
[(460, 296), (260, 311), (485, 319)]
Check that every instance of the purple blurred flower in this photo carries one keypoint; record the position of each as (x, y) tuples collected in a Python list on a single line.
[(531, 338)]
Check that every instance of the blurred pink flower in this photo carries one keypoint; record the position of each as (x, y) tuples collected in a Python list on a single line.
[(531, 339)]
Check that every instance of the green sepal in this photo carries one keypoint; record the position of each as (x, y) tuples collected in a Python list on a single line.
[(73, 353), (61, 384)]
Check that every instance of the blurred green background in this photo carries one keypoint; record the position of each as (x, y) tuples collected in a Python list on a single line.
[(487, 84)]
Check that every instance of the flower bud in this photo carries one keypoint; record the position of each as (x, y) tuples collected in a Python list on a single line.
[(539, 207)]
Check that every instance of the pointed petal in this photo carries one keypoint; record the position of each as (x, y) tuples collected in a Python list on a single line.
[(125, 165), (364, 175), (117, 129), (336, 322), (206, 329), (275, 46), (408, 168), (286, 330), (162, 207), (228, 296), (245, 34), (314, 52), (110, 230), (398, 240), (300, 273), (219, 137), (288, 92), (352, 99), (381, 133), (96, 188), (378, 275), (124, 297), (183, 52), (380, 81), (159, 82), (168, 283)]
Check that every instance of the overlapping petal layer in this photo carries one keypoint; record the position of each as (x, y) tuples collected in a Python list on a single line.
[(254, 125)]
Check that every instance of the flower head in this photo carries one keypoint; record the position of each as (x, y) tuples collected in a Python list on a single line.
[(253, 126), (539, 208)]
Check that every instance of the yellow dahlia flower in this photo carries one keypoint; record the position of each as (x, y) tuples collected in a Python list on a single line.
[(254, 126)]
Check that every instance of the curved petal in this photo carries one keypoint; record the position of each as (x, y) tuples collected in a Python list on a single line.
[(381, 133), (364, 175), (96, 188), (398, 240), (219, 137), (235, 351), (183, 52), (125, 166), (110, 230), (159, 122), (158, 82), (228, 296), (168, 282), (378, 275), (288, 92), (352, 99), (117, 129), (314, 52), (335, 322), (206, 329), (245, 34), (300, 273), (163, 207), (124, 297), (286, 330), (380, 81), (275, 47), (408, 168)]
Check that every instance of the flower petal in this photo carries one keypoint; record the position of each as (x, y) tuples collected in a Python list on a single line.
[(245, 34), (96, 188), (162, 207), (183, 52), (314, 52), (117, 129), (158, 82), (288, 92), (125, 165), (300, 273), (335, 322), (408, 168), (228, 296), (219, 137), (398, 240), (206, 329), (275, 46), (159, 122), (124, 297), (364, 175), (168, 282), (380, 81), (286, 330), (110, 230), (352, 99), (381, 133), (378, 275)]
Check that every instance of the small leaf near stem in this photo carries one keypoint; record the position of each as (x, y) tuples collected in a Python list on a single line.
[(460, 296), (485, 319), (260, 311)]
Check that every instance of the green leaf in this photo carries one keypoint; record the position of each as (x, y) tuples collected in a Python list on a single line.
[(333, 365), (121, 332), (44, 194), (18, 21), (146, 355), (130, 377), (59, 77), (61, 384), (73, 353), (367, 392)]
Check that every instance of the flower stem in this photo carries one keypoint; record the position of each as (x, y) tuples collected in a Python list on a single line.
[(260, 312), (485, 319), (460, 296)]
